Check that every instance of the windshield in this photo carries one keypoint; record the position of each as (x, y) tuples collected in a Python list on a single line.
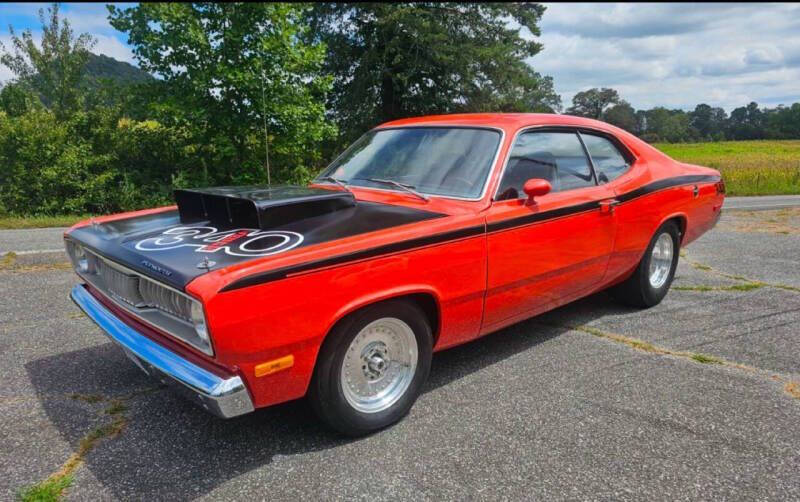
[(450, 161)]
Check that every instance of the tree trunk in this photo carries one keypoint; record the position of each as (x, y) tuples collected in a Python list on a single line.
[(389, 108)]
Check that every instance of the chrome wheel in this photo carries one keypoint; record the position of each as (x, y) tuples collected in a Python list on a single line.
[(379, 365), (661, 260)]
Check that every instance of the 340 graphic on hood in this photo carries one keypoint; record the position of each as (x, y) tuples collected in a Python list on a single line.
[(236, 242)]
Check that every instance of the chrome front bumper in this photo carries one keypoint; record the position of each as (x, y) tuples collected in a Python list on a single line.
[(224, 397)]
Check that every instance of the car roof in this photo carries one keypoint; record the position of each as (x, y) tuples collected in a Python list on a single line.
[(500, 120), (512, 122)]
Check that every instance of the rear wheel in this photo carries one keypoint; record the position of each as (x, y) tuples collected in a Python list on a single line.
[(371, 367), (653, 276)]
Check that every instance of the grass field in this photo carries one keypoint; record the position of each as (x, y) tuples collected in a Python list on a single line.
[(18, 222), (763, 167)]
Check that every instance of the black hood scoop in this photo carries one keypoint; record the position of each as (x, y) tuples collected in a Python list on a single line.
[(258, 206)]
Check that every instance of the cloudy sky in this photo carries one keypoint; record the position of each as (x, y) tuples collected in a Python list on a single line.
[(673, 55), (87, 17)]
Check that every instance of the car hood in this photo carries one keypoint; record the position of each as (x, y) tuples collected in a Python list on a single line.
[(174, 248)]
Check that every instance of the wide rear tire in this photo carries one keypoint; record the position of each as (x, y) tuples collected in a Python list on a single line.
[(653, 276)]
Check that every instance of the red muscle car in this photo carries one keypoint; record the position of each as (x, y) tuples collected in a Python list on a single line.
[(426, 233)]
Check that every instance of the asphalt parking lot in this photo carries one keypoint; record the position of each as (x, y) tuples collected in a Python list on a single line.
[(697, 398)]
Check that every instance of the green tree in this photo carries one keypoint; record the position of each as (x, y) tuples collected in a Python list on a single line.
[(783, 122), (709, 122), (230, 70), (16, 99), (46, 167), (747, 122), (671, 126), (623, 116), (55, 69), (593, 102), (394, 60)]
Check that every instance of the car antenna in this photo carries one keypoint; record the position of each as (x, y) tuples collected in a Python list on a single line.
[(264, 117)]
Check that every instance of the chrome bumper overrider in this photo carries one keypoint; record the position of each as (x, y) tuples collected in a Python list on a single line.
[(224, 397)]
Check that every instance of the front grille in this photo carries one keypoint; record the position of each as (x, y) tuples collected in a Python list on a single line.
[(123, 286), (166, 300), (163, 307), (134, 289)]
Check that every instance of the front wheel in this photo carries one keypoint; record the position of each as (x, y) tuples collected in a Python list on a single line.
[(653, 276), (371, 367)]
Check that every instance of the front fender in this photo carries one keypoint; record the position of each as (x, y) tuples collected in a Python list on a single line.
[(387, 294)]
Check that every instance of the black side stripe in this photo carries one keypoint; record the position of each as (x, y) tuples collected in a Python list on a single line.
[(284, 272), (668, 183), (544, 215)]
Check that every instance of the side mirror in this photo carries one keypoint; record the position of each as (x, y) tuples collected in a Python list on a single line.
[(536, 187)]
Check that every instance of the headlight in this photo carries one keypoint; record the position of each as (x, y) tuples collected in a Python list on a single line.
[(81, 260), (199, 322), (78, 255)]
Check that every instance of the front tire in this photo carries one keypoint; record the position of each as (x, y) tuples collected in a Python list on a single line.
[(371, 367), (653, 276)]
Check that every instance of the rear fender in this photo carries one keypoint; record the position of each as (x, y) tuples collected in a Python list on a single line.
[(683, 222)]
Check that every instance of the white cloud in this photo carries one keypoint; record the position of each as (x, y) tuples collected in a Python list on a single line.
[(674, 55), (112, 47), (5, 73), (89, 17)]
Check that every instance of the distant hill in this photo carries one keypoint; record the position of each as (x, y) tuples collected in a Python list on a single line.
[(101, 66), (99, 70)]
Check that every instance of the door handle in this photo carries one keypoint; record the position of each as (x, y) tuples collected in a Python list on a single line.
[(607, 205)]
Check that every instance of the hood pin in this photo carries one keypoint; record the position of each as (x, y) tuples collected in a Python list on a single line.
[(206, 263)]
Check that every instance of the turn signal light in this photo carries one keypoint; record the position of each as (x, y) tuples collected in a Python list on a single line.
[(274, 366)]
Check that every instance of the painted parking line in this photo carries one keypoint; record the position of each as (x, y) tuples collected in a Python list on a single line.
[(33, 251), (759, 207)]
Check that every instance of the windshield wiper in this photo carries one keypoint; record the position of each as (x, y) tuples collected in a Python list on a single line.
[(408, 188), (339, 182)]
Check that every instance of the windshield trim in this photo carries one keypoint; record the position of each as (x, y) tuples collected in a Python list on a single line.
[(432, 126)]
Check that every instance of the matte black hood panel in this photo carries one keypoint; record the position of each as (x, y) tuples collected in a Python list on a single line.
[(163, 247)]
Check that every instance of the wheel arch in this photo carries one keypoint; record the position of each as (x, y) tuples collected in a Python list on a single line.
[(425, 297), (679, 218), (682, 221)]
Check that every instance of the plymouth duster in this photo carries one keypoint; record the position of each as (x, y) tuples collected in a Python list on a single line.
[(426, 233)]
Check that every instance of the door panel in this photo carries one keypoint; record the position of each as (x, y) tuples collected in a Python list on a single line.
[(541, 254)]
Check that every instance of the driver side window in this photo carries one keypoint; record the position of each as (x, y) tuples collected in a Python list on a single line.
[(557, 157)]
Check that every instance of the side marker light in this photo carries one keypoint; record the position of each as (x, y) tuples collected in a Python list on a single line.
[(274, 366)]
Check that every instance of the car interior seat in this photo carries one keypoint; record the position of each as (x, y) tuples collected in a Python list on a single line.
[(520, 169)]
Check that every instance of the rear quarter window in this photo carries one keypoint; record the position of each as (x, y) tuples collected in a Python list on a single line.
[(609, 163)]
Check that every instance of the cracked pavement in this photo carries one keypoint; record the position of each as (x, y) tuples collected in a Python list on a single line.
[(551, 408)]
